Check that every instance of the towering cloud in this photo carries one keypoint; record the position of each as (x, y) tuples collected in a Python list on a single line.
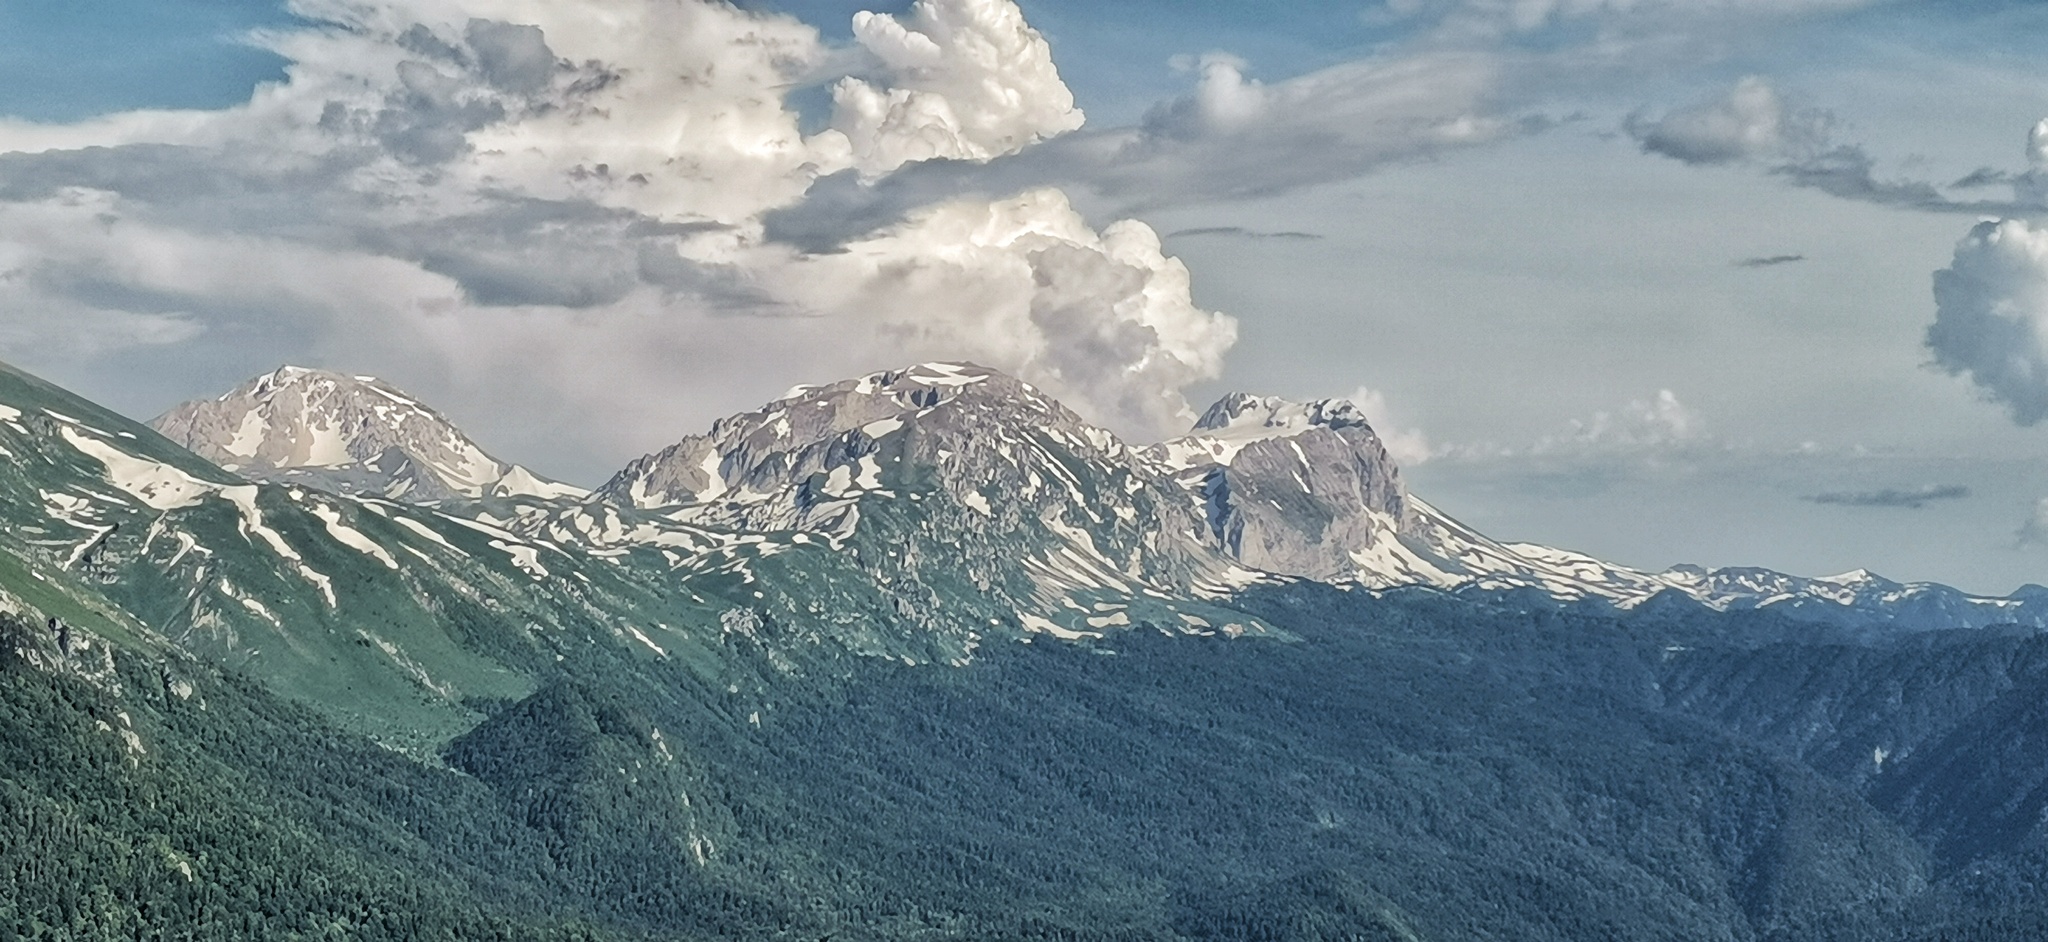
[(564, 202), (1099, 317), (1991, 306), (968, 79)]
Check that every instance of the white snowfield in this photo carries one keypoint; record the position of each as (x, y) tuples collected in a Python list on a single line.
[(157, 485)]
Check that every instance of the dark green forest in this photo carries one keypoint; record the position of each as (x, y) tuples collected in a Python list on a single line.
[(1414, 767)]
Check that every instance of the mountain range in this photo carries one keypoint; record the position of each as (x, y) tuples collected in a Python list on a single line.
[(1278, 488), (925, 654)]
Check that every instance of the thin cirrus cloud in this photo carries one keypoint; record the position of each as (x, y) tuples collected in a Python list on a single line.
[(1769, 261), (1239, 232), (1905, 498)]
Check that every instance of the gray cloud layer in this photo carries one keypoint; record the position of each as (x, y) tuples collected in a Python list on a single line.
[(1231, 137), (1753, 124)]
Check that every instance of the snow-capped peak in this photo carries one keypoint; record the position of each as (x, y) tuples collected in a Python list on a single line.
[(352, 434), (1239, 419), (944, 470), (1243, 413), (816, 428), (939, 374)]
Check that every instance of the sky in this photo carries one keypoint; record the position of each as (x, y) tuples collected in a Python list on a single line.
[(1726, 282)]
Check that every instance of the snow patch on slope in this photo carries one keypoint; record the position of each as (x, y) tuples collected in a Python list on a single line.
[(349, 536), (156, 484)]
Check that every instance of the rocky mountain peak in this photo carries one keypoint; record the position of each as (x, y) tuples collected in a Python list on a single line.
[(1241, 420), (945, 461), (1244, 412), (349, 434), (1305, 489), (816, 429)]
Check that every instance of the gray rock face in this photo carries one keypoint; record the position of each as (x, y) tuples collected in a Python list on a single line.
[(1307, 489), (1294, 488), (346, 434)]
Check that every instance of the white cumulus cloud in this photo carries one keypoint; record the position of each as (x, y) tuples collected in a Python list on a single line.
[(1750, 121), (2033, 533), (551, 214), (1102, 319), (1659, 420), (1407, 445), (967, 79), (589, 220), (1991, 307)]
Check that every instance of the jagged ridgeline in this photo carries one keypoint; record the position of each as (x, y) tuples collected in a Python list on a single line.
[(924, 654)]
